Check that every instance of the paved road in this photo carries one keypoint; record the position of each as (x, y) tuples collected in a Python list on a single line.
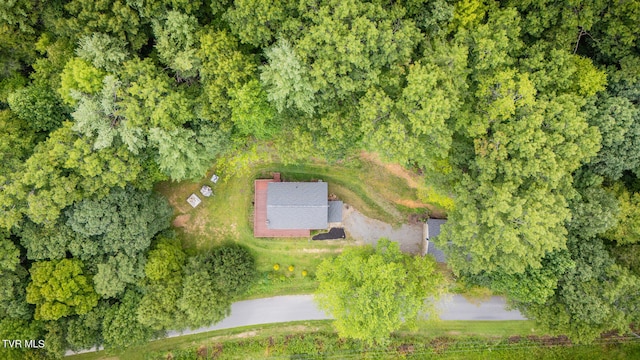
[(301, 307)]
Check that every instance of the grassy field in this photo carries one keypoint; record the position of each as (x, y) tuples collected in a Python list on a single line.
[(317, 340), (227, 216)]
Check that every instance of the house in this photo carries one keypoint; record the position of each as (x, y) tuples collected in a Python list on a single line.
[(292, 209), (431, 230)]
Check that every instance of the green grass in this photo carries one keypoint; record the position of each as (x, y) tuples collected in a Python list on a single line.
[(317, 339), (227, 216)]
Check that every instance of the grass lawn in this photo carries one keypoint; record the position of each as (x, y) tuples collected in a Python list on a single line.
[(441, 340), (227, 216)]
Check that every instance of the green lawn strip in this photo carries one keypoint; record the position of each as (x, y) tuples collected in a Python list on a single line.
[(317, 339)]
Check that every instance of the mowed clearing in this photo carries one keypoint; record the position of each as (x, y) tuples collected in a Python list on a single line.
[(228, 216)]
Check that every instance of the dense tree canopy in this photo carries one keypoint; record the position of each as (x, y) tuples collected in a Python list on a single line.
[(60, 288), (526, 114)]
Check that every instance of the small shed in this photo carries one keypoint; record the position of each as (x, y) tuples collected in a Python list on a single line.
[(206, 191), (194, 200), (335, 211)]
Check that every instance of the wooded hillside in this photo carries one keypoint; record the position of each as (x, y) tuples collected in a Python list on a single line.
[(526, 113)]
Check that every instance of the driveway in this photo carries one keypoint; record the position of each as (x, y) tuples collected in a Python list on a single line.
[(366, 230)]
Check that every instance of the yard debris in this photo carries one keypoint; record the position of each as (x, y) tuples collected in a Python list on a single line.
[(206, 191), (194, 200)]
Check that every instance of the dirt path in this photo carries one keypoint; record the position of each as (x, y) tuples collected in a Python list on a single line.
[(395, 169), (367, 231), (412, 180)]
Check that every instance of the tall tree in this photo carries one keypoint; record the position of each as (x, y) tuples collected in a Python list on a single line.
[(13, 281), (516, 147), (286, 79), (85, 331), (250, 111), (593, 297), (348, 44), (256, 22), (62, 170), (116, 273), (618, 120), (123, 222), (103, 51), (176, 42), (627, 229), (38, 107), (372, 292), (164, 270), (202, 301), (224, 68), (79, 77), (60, 288), (116, 18), (120, 326)]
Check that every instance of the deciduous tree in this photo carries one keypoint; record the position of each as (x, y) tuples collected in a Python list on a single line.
[(103, 51), (286, 79), (120, 326), (60, 288), (38, 107), (372, 292), (124, 222)]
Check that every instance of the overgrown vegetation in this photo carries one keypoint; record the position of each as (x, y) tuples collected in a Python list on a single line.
[(522, 117), (317, 340)]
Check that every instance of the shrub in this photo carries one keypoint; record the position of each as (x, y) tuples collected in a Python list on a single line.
[(291, 268), (276, 267), (304, 273)]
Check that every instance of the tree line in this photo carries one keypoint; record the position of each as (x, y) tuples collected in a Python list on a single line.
[(527, 114)]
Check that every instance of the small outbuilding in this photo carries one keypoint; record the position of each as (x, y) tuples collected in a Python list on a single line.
[(215, 178), (335, 211)]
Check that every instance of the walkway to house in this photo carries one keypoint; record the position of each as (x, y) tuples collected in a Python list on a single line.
[(260, 228)]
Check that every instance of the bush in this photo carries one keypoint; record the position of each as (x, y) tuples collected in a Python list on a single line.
[(276, 267), (233, 268), (291, 268)]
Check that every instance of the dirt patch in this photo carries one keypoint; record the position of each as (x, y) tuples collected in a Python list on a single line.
[(395, 169), (413, 204), (321, 251), (547, 340), (406, 349), (202, 351), (181, 220), (177, 195), (440, 344), (242, 335)]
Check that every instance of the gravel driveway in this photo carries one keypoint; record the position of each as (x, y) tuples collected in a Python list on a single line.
[(367, 231)]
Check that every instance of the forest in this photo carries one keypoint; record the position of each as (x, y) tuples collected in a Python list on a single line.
[(525, 112)]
